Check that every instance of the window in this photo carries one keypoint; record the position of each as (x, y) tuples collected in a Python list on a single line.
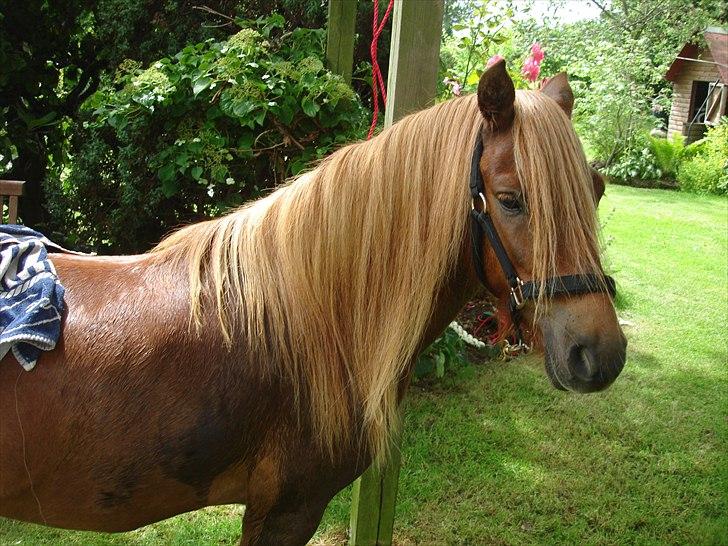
[(698, 102)]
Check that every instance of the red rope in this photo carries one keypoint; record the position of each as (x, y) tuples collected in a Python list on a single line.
[(377, 79)]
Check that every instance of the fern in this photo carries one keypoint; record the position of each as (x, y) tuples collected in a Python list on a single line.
[(668, 153)]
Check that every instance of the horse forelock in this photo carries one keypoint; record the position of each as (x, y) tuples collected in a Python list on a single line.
[(557, 184), (333, 277)]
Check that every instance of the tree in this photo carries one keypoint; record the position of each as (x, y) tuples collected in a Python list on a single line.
[(55, 54), (617, 64), (660, 22)]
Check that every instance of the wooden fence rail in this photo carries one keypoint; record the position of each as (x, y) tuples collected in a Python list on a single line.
[(10, 190)]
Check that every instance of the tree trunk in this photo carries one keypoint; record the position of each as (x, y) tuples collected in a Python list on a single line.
[(30, 166)]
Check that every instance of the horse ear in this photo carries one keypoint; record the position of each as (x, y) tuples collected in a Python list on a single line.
[(558, 88), (496, 96), (598, 183)]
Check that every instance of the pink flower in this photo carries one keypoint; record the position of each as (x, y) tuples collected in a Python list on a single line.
[(537, 53), (455, 86), (531, 69), (494, 59)]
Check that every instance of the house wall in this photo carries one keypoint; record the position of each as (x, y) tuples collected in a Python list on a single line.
[(683, 87)]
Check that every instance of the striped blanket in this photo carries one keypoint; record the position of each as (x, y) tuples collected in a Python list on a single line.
[(31, 297)]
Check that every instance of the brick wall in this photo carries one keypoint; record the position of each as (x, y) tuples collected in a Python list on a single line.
[(683, 87)]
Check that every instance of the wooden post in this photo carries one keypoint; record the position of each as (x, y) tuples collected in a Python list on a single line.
[(373, 501), (414, 59), (340, 37)]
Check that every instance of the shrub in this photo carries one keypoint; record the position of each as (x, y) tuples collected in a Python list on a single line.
[(446, 353), (636, 165), (704, 168), (614, 127), (703, 174), (668, 153), (193, 135)]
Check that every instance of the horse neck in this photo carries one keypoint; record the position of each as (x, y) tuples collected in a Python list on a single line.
[(461, 286)]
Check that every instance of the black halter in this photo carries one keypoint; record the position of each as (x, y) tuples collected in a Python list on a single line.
[(520, 292)]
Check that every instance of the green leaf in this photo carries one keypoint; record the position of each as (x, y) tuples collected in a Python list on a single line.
[(269, 23), (297, 166), (473, 78), (245, 142), (424, 366), (310, 108), (118, 122), (201, 84), (167, 175), (286, 114), (242, 108), (169, 188), (166, 172), (48, 119), (439, 365), (219, 173), (259, 117), (196, 172)]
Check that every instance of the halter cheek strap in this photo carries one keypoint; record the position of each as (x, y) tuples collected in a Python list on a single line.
[(482, 224)]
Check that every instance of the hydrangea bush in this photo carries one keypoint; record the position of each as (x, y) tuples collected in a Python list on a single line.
[(193, 135)]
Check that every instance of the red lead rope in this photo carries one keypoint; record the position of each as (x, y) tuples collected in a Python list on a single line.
[(377, 79)]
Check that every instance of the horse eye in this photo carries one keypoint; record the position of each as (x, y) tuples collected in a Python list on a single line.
[(510, 203)]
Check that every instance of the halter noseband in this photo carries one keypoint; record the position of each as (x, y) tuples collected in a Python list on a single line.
[(520, 291)]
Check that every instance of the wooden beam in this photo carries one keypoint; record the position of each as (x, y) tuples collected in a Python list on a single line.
[(340, 37), (414, 60)]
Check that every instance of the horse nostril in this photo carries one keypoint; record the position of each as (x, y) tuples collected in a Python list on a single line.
[(582, 363)]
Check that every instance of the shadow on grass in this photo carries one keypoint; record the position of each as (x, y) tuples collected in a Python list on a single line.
[(642, 359)]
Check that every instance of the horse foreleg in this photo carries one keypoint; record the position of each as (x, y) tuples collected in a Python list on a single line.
[(292, 521), (285, 508)]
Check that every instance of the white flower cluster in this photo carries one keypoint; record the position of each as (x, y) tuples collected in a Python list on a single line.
[(465, 336)]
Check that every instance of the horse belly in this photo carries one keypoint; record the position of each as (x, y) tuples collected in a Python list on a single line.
[(83, 458), (131, 418)]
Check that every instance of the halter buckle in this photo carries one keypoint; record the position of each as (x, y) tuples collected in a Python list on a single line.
[(510, 350), (482, 197), (517, 294)]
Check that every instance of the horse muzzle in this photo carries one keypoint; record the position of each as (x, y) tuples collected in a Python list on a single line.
[(582, 363)]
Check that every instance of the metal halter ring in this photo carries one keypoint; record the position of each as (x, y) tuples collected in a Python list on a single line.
[(482, 197), (509, 350), (517, 294)]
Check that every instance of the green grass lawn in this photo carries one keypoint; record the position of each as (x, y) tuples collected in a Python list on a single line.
[(497, 456)]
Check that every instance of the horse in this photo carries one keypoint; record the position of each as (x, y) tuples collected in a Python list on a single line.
[(260, 358)]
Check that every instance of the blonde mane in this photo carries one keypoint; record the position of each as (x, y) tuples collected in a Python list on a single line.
[(557, 183), (332, 278)]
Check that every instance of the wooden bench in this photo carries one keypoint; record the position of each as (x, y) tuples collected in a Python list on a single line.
[(12, 190)]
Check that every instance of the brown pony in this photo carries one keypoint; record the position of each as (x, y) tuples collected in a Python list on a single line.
[(259, 358)]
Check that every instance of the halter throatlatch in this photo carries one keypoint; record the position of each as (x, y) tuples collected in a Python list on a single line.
[(520, 291)]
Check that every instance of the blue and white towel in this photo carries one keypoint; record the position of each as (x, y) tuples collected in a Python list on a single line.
[(31, 296)]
